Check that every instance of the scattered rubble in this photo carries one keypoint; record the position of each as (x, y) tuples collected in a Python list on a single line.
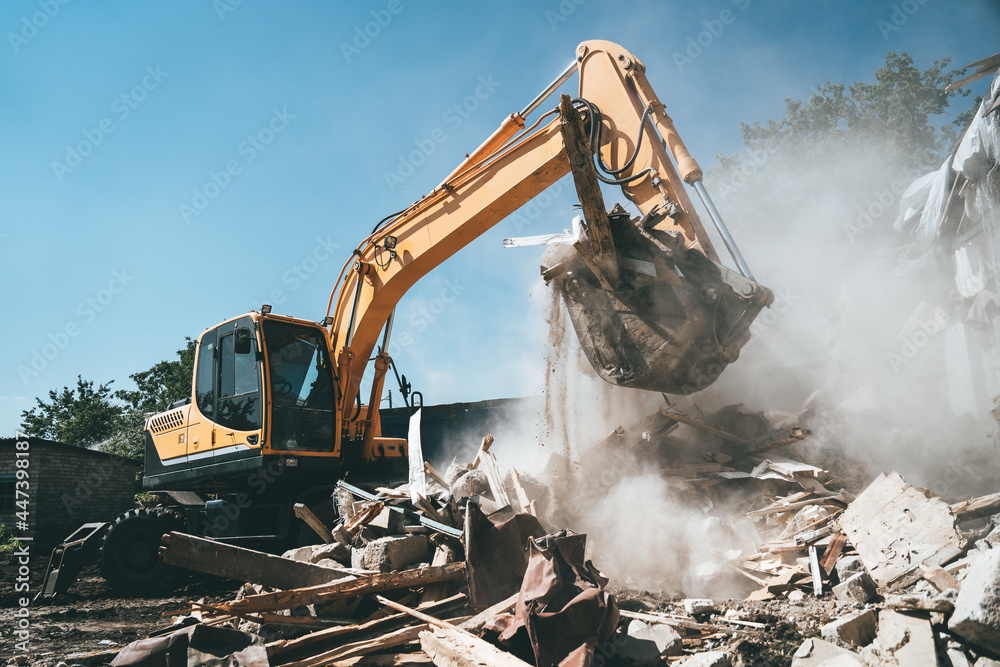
[(469, 574)]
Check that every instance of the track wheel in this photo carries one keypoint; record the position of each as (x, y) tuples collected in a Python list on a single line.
[(130, 560)]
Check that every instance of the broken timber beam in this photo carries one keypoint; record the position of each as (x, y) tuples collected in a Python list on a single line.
[(285, 646), (231, 562), (313, 522), (976, 508), (580, 156), (360, 648), (454, 648), (449, 645), (375, 583)]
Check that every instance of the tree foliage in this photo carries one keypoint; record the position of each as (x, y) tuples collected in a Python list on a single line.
[(896, 110), (164, 383), (79, 416), (86, 416)]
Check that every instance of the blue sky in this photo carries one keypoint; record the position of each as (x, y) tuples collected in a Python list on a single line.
[(122, 232)]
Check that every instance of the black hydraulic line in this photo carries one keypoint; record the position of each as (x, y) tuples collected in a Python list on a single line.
[(389, 217), (595, 140)]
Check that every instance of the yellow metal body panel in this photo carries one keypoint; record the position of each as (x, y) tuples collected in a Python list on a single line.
[(169, 431)]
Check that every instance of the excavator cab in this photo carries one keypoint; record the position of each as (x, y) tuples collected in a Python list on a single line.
[(263, 397)]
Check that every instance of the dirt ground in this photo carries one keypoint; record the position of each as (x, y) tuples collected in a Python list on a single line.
[(91, 615)]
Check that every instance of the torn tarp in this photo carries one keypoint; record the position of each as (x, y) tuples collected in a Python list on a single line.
[(563, 605), (195, 646)]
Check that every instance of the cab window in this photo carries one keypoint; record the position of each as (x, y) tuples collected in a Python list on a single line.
[(239, 402), (204, 376)]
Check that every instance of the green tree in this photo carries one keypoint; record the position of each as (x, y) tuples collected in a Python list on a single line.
[(156, 388), (86, 416), (896, 111), (80, 416), (164, 383)]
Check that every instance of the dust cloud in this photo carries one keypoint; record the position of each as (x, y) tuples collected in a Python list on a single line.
[(858, 347)]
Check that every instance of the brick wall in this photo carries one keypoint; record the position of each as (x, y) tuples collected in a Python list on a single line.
[(70, 486)]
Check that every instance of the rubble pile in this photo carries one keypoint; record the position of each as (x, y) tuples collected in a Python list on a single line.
[(470, 574)]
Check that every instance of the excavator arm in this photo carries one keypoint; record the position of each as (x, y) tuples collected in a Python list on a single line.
[(652, 304)]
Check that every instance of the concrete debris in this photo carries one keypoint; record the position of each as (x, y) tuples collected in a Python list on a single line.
[(664, 639), (859, 587), (889, 577), (696, 607), (902, 639), (707, 659), (897, 528), (819, 653), (857, 629), (977, 608)]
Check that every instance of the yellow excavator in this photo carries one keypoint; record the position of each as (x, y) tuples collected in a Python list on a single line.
[(276, 415)]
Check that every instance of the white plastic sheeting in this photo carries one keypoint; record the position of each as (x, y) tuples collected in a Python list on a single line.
[(929, 194), (418, 480), (968, 272), (567, 237)]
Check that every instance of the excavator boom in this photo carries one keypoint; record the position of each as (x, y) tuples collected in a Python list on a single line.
[(651, 303)]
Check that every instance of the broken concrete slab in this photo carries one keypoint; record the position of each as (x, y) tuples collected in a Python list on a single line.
[(848, 566), (896, 528), (977, 607), (388, 554), (858, 588), (696, 606), (816, 652), (472, 483), (942, 602), (707, 659), (335, 551), (666, 639), (857, 629), (903, 639)]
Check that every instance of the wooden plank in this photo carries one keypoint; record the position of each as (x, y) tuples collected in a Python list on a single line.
[(313, 522), (814, 568), (375, 583), (976, 508), (225, 560), (391, 640), (581, 161), (435, 592), (775, 509), (833, 552), (285, 646), (433, 474), (454, 648), (522, 496), (483, 449), (495, 479), (897, 528), (476, 623), (666, 620), (365, 516)]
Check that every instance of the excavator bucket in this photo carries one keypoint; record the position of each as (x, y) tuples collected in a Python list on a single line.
[(672, 322)]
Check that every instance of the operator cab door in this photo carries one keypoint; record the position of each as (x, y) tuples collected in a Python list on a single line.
[(201, 428), (227, 422), (239, 402)]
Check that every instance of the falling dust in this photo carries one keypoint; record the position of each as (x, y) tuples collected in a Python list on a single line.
[(858, 348)]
